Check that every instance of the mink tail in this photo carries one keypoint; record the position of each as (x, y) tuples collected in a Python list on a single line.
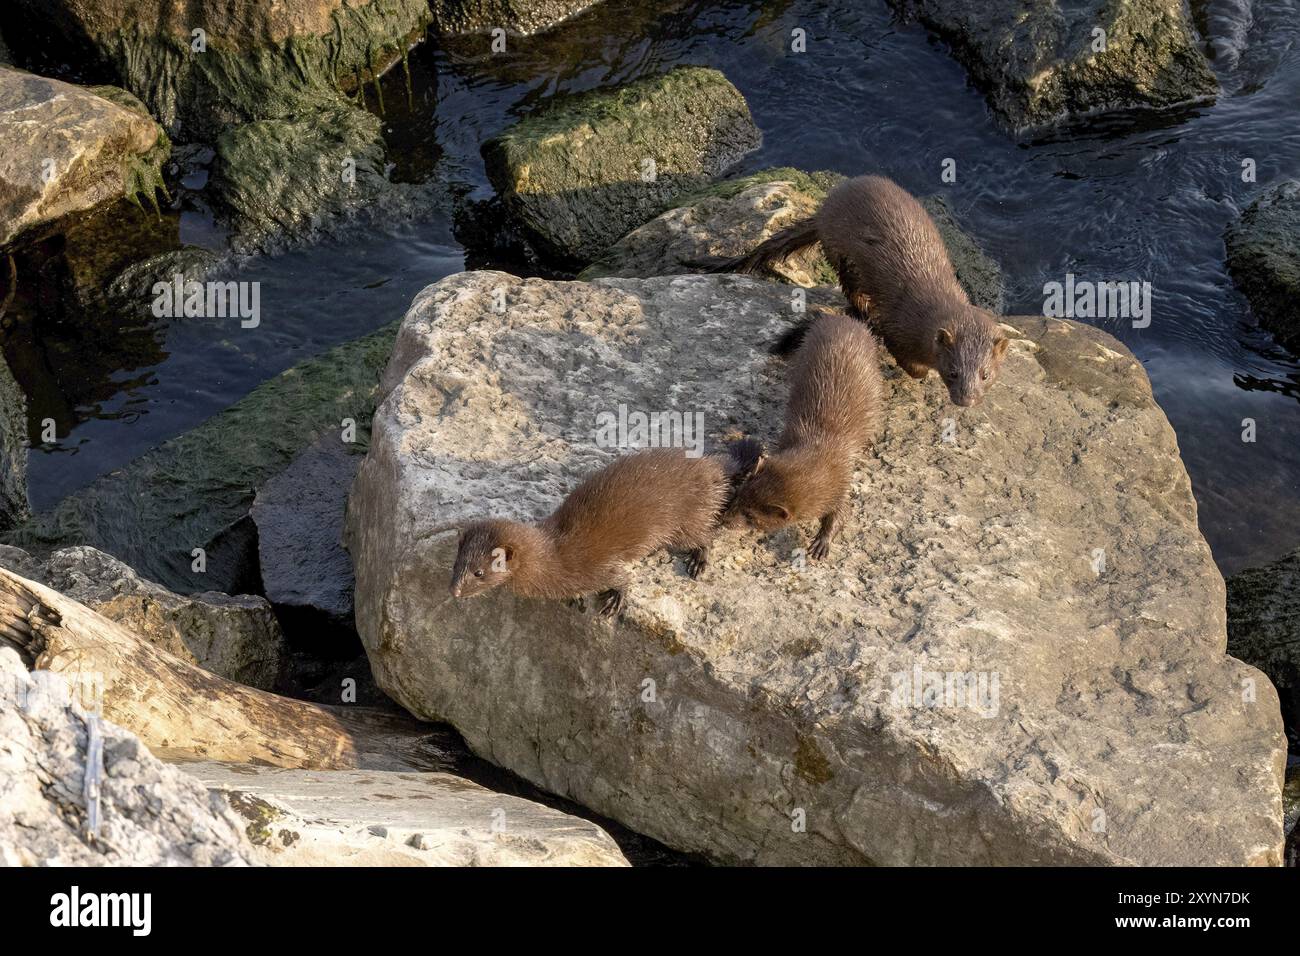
[(777, 248)]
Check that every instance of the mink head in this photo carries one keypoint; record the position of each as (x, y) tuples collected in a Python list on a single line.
[(762, 499), (969, 351), (484, 559)]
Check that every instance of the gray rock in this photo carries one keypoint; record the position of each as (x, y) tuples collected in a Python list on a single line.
[(576, 176), (389, 818), (772, 712), (236, 637), (732, 217), (1264, 627), (520, 17), (299, 518), (1264, 260), (13, 450), (1038, 64), (150, 814), (67, 150)]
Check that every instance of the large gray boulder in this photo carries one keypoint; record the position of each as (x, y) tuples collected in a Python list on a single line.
[(68, 149), (234, 636), (1042, 546), (390, 818), (150, 814), (1264, 260), (1044, 62), (586, 169)]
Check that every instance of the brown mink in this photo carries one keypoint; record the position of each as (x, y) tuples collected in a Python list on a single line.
[(896, 274), (835, 409), (631, 508)]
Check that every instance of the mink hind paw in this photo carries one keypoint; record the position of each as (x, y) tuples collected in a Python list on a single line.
[(696, 562), (611, 602)]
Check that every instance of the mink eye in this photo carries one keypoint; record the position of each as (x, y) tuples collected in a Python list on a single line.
[(984, 374), (478, 573)]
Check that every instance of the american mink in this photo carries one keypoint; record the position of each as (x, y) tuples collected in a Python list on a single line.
[(836, 398), (896, 274), (631, 508)]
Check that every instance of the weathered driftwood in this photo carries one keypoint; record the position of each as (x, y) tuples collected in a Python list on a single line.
[(183, 712)]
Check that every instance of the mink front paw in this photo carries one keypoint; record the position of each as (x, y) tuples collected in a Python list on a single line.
[(821, 546), (611, 602), (696, 562)]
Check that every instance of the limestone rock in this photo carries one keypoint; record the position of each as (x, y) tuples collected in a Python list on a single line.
[(150, 814), (299, 518), (576, 175), (236, 637), (67, 150), (1264, 627), (1264, 260), (1038, 556), (732, 217), (520, 17), (387, 818), (1043, 62)]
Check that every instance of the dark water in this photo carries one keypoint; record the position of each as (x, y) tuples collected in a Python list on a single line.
[(1142, 198)]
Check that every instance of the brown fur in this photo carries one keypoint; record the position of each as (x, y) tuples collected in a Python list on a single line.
[(836, 399), (631, 508), (896, 274)]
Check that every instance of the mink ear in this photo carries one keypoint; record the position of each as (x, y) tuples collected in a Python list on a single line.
[(946, 338), (778, 511), (1000, 347), (746, 459)]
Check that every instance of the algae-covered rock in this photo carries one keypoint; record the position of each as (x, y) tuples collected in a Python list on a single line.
[(68, 149), (392, 818), (201, 66), (1047, 61), (1264, 627), (1014, 655), (195, 490), (1264, 260), (233, 636), (731, 217), (13, 449), (588, 168), (520, 17)]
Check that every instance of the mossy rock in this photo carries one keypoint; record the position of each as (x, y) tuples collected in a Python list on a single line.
[(731, 217), (1264, 627), (1264, 260), (195, 491), (589, 168)]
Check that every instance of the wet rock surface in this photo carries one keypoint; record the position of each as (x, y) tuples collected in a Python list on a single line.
[(1264, 628), (522, 17), (1047, 546), (1264, 260)]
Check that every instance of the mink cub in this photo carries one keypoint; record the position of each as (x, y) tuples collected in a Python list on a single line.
[(834, 411), (631, 508), (896, 274)]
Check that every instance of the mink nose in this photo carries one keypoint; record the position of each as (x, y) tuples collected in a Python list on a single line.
[(455, 589)]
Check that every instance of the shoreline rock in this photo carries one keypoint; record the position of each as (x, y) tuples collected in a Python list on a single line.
[(517, 17), (1038, 66), (393, 818), (1264, 260), (14, 507), (1264, 627), (780, 691), (575, 176)]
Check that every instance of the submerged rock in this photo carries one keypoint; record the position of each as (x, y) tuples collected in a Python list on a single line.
[(378, 818), (299, 518), (521, 17), (732, 217), (1015, 654), (69, 149), (1264, 627), (1264, 260), (150, 814), (195, 490), (204, 65), (588, 168), (1045, 62), (236, 637)]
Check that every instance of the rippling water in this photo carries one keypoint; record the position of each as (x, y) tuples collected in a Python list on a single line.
[(1136, 197)]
